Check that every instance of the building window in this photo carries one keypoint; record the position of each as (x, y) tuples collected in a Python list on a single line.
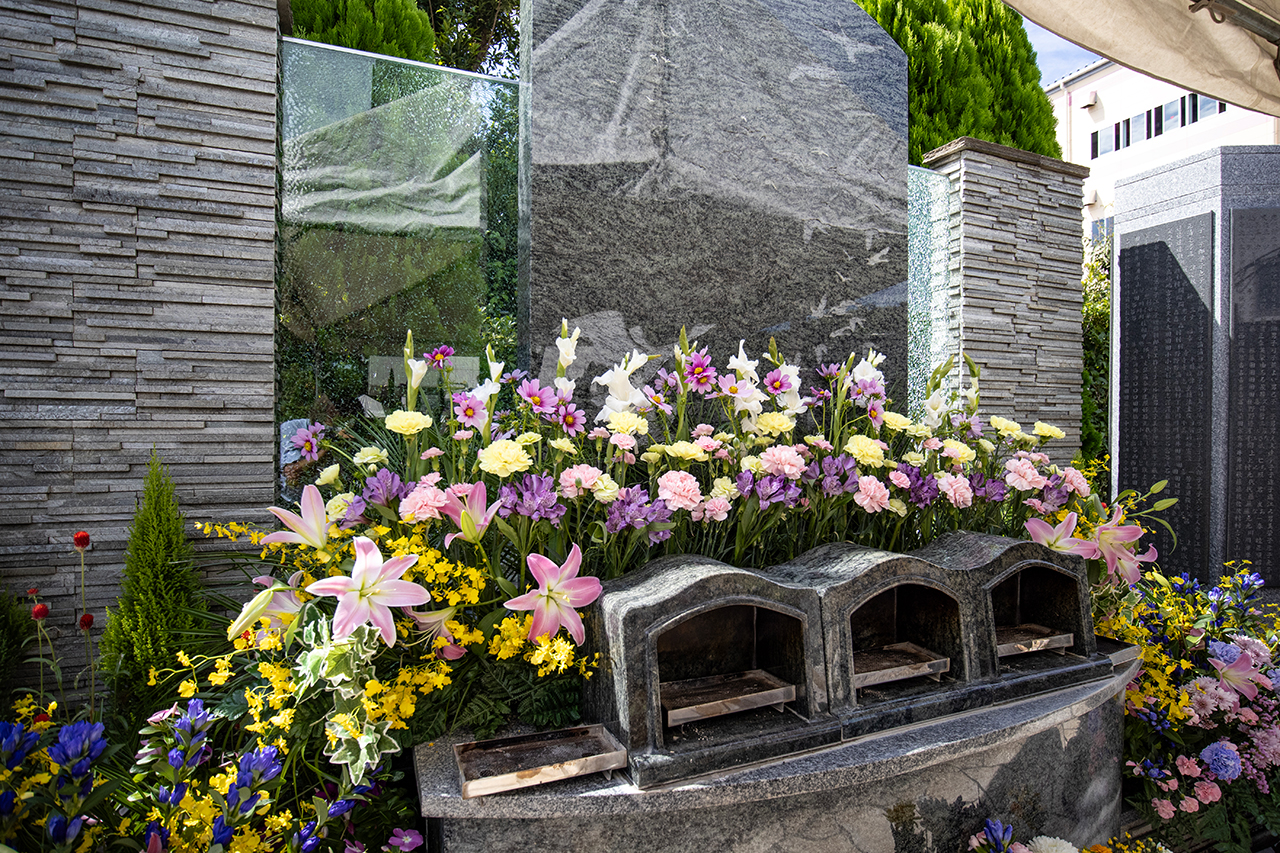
[(1186, 110), (1100, 229)]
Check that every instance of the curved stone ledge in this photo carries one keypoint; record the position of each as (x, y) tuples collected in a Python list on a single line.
[(862, 764)]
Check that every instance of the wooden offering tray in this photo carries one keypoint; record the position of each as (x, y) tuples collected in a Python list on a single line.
[(504, 764), (700, 698), (896, 662), (1020, 639)]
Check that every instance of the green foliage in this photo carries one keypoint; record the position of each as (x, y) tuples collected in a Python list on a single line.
[(971, 72), (476, 35), (16, 629), (160, 590), (1096, 340), (389, 27)]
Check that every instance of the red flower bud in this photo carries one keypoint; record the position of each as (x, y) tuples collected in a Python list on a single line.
[(35, 590), (86, 622), (39, 612), (41, 718), (81, 540)]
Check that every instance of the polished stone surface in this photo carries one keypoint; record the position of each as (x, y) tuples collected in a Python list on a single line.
[(736, 167), (1050, 763)]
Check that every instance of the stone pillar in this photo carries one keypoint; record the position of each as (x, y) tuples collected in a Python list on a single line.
[(1015, 305), (1195, 330), (137, 244)]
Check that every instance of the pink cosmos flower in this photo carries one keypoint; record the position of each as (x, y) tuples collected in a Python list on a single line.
[(572, 419), (1075, 481), (1060, 538), (899, 479), (542, 399), (1188, 767), (957, 490), (782, 460), (559, 592), (578, 480), (1164, 808), (372, 590), (470, 411), (425, 501), (679, 489), (872, 495), (311, 528), (470, 513), (777, 382), (1208, 792), (1023, 476)]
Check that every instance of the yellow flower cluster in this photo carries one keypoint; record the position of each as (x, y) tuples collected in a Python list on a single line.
[(451, 584), (549, 655), (233, 531)]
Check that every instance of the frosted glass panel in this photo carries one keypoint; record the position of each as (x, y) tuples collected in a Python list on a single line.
[(931, 332)]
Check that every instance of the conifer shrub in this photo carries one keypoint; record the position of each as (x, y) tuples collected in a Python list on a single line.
[(16, 628), (159, 597)]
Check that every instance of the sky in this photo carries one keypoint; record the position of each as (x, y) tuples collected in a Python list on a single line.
[(1057, 57)]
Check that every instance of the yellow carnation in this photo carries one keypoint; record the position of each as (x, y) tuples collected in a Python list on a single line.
[(1006, 426), (407, 423), (370, 456), (606, 489), (328, 475), (1045, 430), (629, 423), (504, 458), (525, 439), (336, 508), (723, 487), (564, 445), (752, 464), (866, 451), (896, 422), (986, 446), (959, 451), (774, 423), (917, 430), (687, 450)]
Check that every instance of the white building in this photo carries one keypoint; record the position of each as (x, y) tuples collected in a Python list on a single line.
[(1119, 122)]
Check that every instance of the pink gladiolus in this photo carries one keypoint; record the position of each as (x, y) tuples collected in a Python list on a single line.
[(372, 590), (1059, 538), (559, 592), (311, 528), (470, 514)]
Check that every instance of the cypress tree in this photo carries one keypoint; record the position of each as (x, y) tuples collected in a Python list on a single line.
[(389, 27), (971, 71), (159, 590)]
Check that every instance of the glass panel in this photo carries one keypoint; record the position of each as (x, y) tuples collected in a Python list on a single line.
[(398, 211), (1172, 117), (1138, 128), (1106, 141), (931, 315), (1208, 106)]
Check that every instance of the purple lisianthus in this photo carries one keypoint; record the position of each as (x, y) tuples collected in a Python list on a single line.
[(534, 497), (774, 488), (699, 372), (1223, 761), (383, 488), (307, 439), (659, 513), (923, 490)]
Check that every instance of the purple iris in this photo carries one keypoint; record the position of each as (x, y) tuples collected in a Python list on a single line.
[(534, 497), (383, 488)]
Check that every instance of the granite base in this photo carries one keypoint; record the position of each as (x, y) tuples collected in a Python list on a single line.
[(1050, 764)]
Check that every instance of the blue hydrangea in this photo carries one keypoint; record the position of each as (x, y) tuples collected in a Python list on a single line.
[(1228, 653), (1223, 761)]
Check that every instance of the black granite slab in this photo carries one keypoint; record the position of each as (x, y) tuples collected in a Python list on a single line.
[(735, 167), (1166, 397), (1253, 453)]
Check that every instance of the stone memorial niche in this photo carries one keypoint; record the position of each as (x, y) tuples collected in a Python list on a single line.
[(966, 622), (705, 667), (1196, 334), (736, 167), (1253, 483), (1166, 399)]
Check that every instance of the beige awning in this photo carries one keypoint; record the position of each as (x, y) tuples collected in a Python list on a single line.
[(1166, 39)]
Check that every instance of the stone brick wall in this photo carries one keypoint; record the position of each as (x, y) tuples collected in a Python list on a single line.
[(1015, 280), (137, 226)]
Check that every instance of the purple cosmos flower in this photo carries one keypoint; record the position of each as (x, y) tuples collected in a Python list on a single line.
[(307, 439), (829, 371), (820, 396), (668, 378), (699, 372), (777, 382), (469, 411), (542, 399), (513, 376), (657, 399), (405, 839), (867, 390), (534, 497), (384, 487), (572, 419), (439, 357)]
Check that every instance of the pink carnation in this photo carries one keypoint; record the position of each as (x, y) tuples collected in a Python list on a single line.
[(461, 491), (707, 443), (425, 501), (1208, 792), (821, 443), (899, 479), (1187, 767), (1189, 805), (623, 441), (932, 444), (679, 489), (1075, 481), (598, 432), (1164, 808), (464, 435), (703, 430), (872, 495), (713, 509), (1023, 476), (578, 480), (782, 460), (432, 453), (957, 490)]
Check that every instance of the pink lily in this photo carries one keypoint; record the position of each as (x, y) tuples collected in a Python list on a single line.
[(471, 515), (432, 624), (1060, 538), (1113, 540), (1240, 676), (311, 528), (372, 590), (559, 591)]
